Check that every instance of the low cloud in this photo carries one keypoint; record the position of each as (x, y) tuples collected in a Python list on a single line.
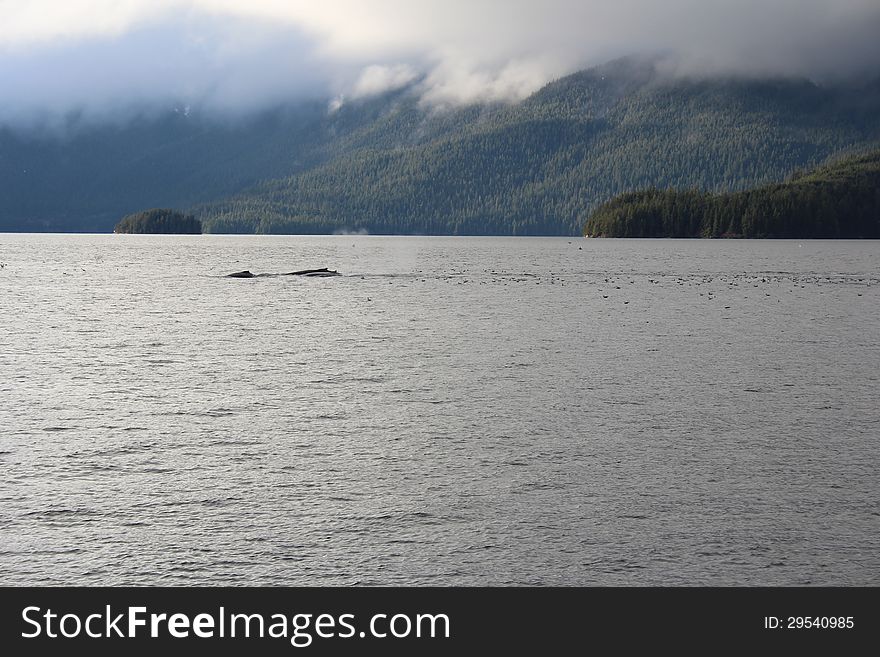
[(103, 58), (379, 79)]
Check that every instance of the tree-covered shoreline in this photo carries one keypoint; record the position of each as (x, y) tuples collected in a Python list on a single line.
[(839, 200)]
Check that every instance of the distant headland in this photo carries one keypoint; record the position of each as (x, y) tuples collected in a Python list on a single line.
[(839, 200), (159, 221)]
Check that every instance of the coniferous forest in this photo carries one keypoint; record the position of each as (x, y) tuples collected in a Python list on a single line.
[(542, 166), (390, 164), (840, 200)]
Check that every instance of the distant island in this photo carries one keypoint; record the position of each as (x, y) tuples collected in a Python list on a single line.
[(839, 200), (159, 221)]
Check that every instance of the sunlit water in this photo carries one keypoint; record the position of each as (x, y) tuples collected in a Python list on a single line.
[(452, 411)]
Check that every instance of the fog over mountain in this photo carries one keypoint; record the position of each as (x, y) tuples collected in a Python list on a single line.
[(111, 59)]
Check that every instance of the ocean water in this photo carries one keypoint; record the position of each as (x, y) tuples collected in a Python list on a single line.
[(450, 411)]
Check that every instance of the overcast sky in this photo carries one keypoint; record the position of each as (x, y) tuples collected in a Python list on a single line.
[(109, 56)]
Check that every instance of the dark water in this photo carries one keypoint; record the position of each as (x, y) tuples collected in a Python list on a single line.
[(452, 411)]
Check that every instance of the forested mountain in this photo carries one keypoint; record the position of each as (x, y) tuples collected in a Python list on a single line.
[(840, 200), (84, 177), (391, 164)]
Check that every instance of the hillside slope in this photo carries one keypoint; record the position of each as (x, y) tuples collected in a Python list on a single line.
[(389, 164), (542, 166)]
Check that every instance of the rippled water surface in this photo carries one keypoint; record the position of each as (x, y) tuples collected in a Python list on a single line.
[(452, 411)]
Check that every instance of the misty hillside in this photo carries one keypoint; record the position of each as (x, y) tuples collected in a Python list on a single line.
[(86, 177), (391, 165)]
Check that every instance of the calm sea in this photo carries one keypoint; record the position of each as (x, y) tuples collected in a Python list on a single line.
[(453, 411)]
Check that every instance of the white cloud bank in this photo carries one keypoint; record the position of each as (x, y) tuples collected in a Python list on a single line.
[(101, 55)]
